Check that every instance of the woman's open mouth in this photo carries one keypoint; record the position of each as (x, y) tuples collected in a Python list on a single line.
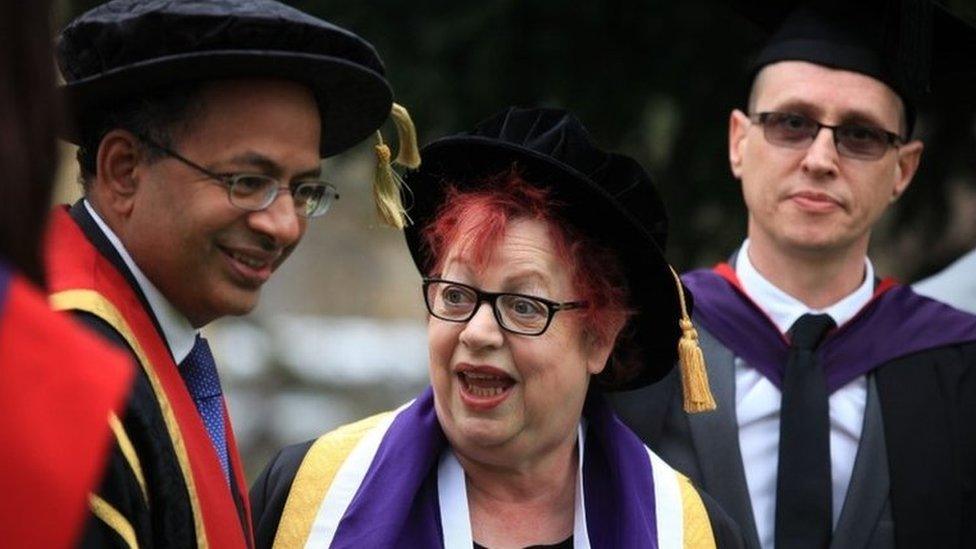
[(484, 388)]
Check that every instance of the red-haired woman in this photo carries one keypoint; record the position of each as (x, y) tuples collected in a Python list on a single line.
[(546, 285)]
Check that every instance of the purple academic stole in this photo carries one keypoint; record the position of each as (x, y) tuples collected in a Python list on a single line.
[(396, 505), (896, 322)]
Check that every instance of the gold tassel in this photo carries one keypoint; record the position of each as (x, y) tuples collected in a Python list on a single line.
[(408, 154), (386, 188), (694, 377), (386, 181)]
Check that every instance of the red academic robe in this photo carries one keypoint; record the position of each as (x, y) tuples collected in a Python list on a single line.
[(59, 385), (83, 280)]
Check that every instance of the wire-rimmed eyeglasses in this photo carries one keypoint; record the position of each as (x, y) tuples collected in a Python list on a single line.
[(254, 192)]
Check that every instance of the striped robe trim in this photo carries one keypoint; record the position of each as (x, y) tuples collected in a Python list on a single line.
[(331, 472)]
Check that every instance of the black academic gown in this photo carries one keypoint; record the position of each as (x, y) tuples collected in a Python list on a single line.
[(168, 520), (927, 400)]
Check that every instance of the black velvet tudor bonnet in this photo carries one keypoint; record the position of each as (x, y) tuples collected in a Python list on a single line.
[(125, 48), (607, 196)]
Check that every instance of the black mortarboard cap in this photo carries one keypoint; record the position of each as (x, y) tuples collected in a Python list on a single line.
[(910, 45)]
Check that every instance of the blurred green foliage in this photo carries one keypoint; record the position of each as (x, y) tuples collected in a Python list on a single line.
[(654, 79)]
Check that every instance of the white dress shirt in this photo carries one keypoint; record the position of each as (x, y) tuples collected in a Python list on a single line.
[(757, 400), (179, 333)]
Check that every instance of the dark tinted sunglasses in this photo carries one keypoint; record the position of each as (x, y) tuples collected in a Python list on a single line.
[(796, 131)]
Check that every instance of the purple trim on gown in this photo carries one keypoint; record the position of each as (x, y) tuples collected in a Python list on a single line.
[(5, 276), (896, 322), (396, 504)]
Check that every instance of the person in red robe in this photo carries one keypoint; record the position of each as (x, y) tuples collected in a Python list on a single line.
[(61, 388), (201, 127)]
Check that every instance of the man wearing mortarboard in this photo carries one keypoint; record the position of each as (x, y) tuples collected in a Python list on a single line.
[(846, 404), (201, 126)]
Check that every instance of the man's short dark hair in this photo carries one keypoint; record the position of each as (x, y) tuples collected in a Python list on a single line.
[(160, 116)]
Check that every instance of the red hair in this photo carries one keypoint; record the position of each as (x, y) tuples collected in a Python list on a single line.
[(477, 218)]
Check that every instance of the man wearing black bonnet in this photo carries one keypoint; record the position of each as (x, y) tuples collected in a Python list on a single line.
[(846, 403), (201, 126)]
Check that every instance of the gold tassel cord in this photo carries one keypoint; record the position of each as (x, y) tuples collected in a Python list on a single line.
[(694, 377), (387, 183), (408, 154), (386, 188)]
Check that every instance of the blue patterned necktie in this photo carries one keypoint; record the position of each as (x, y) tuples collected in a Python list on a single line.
[(199, 372)]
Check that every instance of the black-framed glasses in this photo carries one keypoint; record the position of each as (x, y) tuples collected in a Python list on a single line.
[(254, 192), (796, 131), (517, 313)]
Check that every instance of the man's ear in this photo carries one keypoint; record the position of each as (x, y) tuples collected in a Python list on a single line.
[(120, 154), (738, 127), (909, 157)]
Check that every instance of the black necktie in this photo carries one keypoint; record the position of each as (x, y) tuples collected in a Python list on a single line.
[(803, 485)]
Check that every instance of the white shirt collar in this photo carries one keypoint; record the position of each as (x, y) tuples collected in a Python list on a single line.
[(179, 333), (784, 309)]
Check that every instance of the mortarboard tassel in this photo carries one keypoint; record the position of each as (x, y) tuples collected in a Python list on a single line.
[(694, 378), (386, 181)]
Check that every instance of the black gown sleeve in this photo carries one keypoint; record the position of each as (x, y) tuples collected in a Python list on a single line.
[(159, 515), (119, 487), (726, 531), (270, 492), (120, 490)]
